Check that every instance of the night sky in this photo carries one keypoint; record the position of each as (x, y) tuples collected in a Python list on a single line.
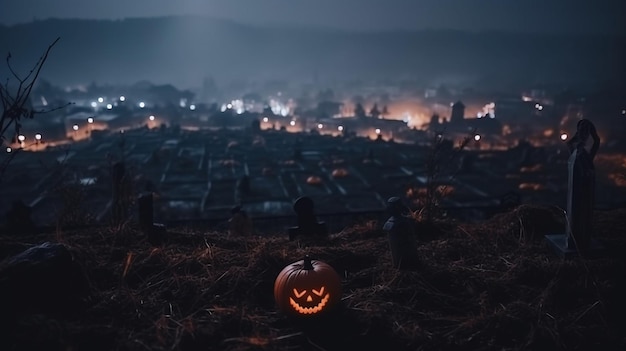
[(598, 16)]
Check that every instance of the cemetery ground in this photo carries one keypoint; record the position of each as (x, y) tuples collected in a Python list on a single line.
[(492, 285)]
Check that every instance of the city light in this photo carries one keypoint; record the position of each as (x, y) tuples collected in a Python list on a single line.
[(142, 104), (265, 119), (21, 138), (109, 106), (9, 150), (340, 128), (377, 131), (100, 99), (37, 136), (75, 127), (292, 123), (477, 137), (563, 136), (90, 120), (122, 98), (192, 107), (229, 106), (320, 126), (94, 104), (623, 112), (151, 118)]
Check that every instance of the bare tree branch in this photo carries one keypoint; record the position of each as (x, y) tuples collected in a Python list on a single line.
[(15, 104)]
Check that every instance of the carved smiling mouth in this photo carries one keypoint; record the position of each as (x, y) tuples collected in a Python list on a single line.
[(309, 310)]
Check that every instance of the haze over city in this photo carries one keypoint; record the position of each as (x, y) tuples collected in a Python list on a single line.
[(519, 75), (312, 175)]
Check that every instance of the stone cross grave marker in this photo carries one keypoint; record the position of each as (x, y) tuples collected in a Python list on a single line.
[(577, 239)]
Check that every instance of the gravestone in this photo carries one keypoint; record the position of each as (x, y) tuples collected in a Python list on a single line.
[(155, 232), (308, 225), (401, 234), (240, 224), (577, 239), (43, 279)]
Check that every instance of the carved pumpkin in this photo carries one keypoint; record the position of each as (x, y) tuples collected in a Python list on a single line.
[(314, 180), (307, 288), (340, 173)]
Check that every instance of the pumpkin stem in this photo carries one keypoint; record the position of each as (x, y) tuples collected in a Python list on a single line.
[(307, 263)]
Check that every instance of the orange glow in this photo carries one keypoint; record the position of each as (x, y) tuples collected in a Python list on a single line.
[(314, 180), (530, 186), (618, 179), (340, 173), (535, 168)]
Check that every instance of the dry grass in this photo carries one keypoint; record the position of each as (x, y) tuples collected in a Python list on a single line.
[(486, 286)]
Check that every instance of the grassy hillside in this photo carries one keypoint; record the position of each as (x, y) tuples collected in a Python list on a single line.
[(485, 286)]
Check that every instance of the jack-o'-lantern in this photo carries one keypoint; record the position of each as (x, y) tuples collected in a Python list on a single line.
[(314, 180), (307, 288), (340, 173)]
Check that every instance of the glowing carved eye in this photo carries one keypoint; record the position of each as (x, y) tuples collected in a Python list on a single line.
[(319, 292), (299, 295)]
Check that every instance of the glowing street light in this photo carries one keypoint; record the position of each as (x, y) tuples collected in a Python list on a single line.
[(75, 127), (265, 119), (109, 106), (229, 106), (192, 107), (90, 120), (94, 104), (292, 123), (563, 136), (320, 126), (122, 98), (21, 138), (100, 99), (142, 104), (377, 131), (477, 137), (151, 118), (9, 150), (37, 140), (340, 128), (623, 112)]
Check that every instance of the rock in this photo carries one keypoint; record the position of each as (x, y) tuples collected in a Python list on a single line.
[(44, 279)]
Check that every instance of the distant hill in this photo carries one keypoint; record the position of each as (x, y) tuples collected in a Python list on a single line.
[(182, 50)]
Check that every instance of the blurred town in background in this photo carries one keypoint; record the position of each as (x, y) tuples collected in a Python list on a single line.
[(349, 147)]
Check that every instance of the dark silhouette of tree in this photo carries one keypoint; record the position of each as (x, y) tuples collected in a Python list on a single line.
[(374, 112), (385, 111), (326, 95), (359, 111), (16, 102)]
